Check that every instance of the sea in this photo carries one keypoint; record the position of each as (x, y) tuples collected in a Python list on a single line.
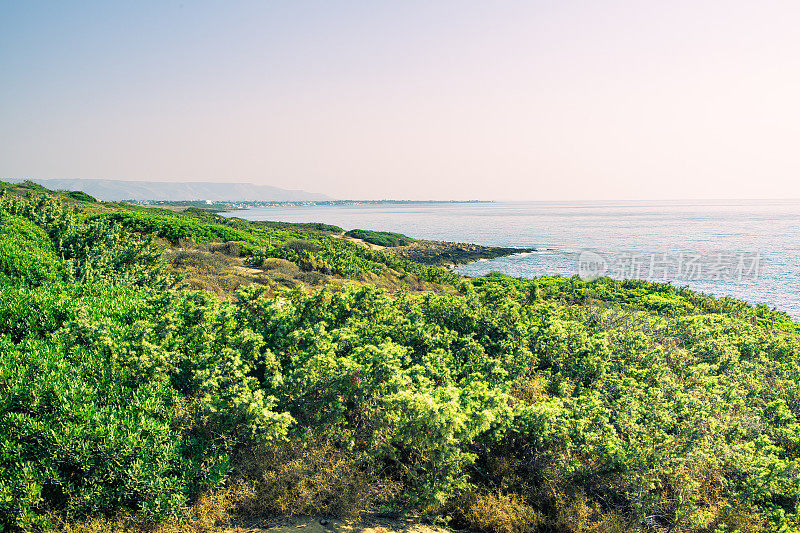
[(745, 249)]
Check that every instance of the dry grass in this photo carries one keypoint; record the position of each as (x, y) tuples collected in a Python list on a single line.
[(216, 271), (209, 514), (301, 477), (496, 512), (530, 390), (219, 268), (232, 248), (313, 278), (230, 282), (306, 477), (188, 243), (122, 524), (578, 514), (284, 281), (739, 518), (198, 261), (280, 266)]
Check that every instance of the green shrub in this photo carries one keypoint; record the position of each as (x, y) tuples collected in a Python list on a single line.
[(381, 238), (97, 442), (33, 186), (116, 400), (95, 250), (26, 252), (81, 196), (302, 246)]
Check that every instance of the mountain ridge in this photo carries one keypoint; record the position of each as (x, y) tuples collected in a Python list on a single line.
[(114, 190)]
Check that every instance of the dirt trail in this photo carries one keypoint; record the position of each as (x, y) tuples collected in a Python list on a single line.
[(324, 525)]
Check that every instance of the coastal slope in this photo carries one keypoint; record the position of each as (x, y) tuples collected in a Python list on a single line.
[(166, 371)]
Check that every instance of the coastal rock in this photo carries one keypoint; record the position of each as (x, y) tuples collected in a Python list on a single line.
[(451, 253)]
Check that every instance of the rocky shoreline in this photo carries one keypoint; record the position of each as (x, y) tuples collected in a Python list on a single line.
[(451, 253)]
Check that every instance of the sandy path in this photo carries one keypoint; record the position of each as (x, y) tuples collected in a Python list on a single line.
[(323, 525)]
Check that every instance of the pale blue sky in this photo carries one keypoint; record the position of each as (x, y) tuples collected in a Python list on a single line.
[(457, 99)]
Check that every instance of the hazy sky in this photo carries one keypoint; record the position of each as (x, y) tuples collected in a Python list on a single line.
[(437, 99)]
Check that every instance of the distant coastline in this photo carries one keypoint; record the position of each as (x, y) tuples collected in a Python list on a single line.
[(222, 206)]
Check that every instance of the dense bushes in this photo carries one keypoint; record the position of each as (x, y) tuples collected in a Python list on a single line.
[(26, 251), (432, 405), (114, 399), (559, 404), (81, 196), (77, 439), (92, 250), (176, 229), (381, 238)]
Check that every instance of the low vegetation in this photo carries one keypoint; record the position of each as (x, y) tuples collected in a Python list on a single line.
[(381, 238), (131, 400)]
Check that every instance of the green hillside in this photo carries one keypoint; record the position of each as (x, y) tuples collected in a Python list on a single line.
[(170, 371)]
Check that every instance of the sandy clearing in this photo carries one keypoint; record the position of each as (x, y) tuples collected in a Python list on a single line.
[(248, 270)]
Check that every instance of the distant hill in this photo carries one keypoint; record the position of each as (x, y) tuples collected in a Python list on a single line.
[(112, 190)]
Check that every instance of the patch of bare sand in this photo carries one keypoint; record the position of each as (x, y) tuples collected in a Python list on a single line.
[(324, 525), (248, 270)]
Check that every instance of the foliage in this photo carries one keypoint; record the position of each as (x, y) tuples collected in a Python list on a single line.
[(26, 252), (209, 217), (134, 401), (175, 229), (499, 513), (91, 250), (381, 238), (603, 406), (81, 196), (33, 186), (302, 246)]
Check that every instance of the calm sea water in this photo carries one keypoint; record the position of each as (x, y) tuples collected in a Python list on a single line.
[(745, 249)]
